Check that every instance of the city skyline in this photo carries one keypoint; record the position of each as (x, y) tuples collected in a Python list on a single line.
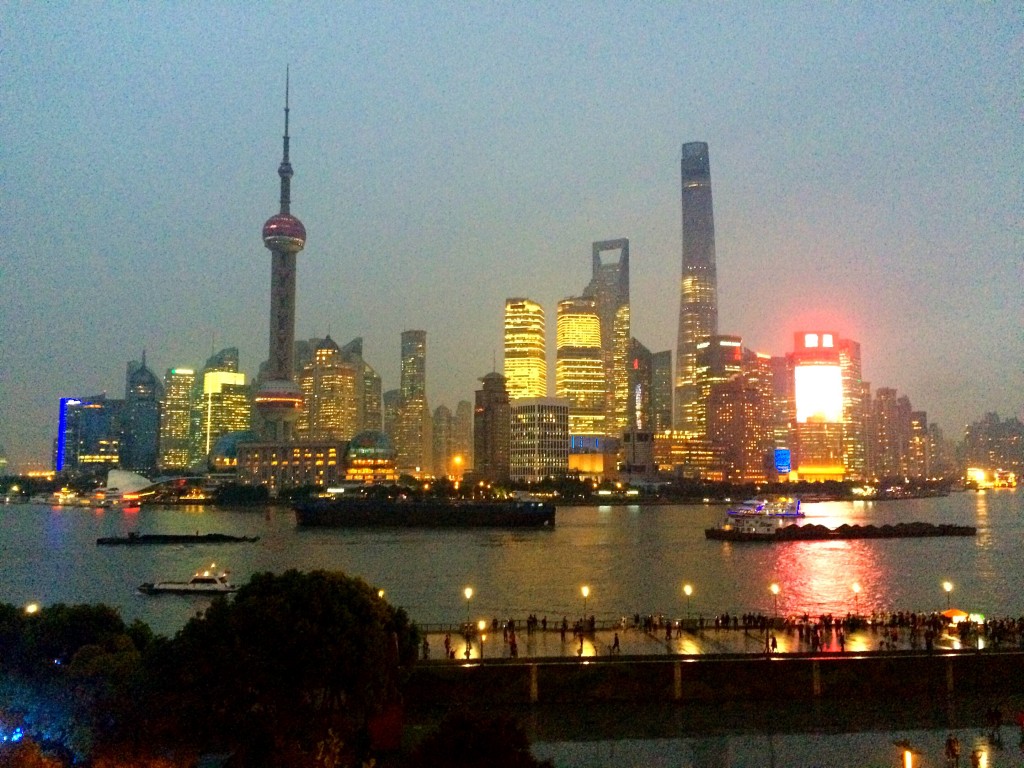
[(436, 189)]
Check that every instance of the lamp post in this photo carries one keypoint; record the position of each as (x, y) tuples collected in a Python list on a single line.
[(585, 591), (775, 595), (31, 608), (687, 590), (481, 625), (856, 599), (948, 586), (468, 592)]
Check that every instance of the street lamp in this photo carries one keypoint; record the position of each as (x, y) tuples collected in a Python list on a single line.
[(32, 608), (948, 586), (468, 592), (482, 625), (585, 590), (856, 599), (687, 590), (775, 595), (380, 593)]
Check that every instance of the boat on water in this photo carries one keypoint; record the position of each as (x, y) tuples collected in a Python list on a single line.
[(783, 507), (134, 538), (206, 582), (753, 528), (400, 510)]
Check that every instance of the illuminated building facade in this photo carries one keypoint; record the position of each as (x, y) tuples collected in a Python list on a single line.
[(491, 423), (993, 443), (88, 434), (739, 429), (390, 402), (818, 398), (331, 390), (526, 366), (220, 404), (579, 366), (538, 439), (175, 418), (370, 458), (698, 303), (719, 359), (661, 391), (279, 466), (609, 288), (684, 456), (897, 448), (412, 438), (640, 385), (462, 436), (856, 395), (369, 388), (278, 400), (140, 420)]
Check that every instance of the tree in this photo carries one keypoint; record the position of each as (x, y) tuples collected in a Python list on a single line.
[(290, 657), (467, 740)]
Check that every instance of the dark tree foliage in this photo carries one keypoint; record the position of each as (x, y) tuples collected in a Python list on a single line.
[(289, 657), (468, 740)]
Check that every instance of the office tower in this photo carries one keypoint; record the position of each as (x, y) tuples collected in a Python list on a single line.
[(719, 358), (369, 393), (462, 434), (641, 383), (889, 435), (855, 396), (391, 402), (738, 425), (443, 437), (917, 464), (175, 417), (538, 439), (491, 423), (331, 391), (88, 434), (698, 303), (579, 366), (220, 404), (661, 391), (412, 439), (140, 422), (609, 288), (278, 400), (994, 444), (526, 366), (818, 400)]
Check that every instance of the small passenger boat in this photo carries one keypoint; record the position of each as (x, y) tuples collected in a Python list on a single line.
[(206, 582)]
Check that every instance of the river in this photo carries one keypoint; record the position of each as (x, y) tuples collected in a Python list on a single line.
[(632, 558)]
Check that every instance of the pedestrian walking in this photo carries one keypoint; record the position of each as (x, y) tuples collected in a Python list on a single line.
[(615, 643)]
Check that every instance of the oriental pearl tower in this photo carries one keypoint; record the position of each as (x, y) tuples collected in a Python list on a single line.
[(279, 399)]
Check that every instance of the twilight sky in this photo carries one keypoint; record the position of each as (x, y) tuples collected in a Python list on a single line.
[(867, 165)]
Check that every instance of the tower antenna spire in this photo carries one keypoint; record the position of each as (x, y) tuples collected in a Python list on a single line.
[(285, 169)]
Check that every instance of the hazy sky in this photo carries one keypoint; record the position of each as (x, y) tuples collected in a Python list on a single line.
[(867, 164)]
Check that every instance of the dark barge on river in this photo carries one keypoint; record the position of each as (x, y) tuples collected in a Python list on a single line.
[(845, 531), (133, 539)]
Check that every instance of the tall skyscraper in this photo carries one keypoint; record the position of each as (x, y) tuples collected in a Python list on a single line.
[(175, 418), (331, 396), (526, 366), (220, 404), (140, 420), (442, 434), (538, 439), (661, 391), (491, 423), (391, 402), (609, 288), (412, 439), (88, 434), (279, 399), (698, 304), (370, 413), (579, 366), (640, 385)]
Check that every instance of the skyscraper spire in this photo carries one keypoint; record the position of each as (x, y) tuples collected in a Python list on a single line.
[(285, 169)]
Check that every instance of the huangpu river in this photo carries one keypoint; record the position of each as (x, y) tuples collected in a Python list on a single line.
[(634, 559)]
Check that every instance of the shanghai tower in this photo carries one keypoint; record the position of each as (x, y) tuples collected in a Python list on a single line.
[(279, 399), (698, 303)]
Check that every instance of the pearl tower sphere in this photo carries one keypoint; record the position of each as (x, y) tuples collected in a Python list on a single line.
[(279, 399)]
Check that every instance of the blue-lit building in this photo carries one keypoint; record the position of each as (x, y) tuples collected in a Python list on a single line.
[(88, 433)]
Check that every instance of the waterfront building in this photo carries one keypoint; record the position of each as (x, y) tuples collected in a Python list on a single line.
[(280, 466), (684, 456), (331, 390), (609, 288), (739, 430), (526, 365), (278, 399), (719, 359), (579, 366), (175, 417), (370, 458), (88, 434), (538, 439), (661, 391), (855, 396), (442, 436), (818, 398), (640, 385), (890, 432), (462, 437), (637, 463), (369, 388), (140, 420), (992, 444), (220, 404), (491, 424), (412, 437), (698, 303)]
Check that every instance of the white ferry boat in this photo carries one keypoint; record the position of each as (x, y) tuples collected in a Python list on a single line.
[(205, 582)]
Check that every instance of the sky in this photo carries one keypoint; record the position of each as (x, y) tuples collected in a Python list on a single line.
[(867, 164)]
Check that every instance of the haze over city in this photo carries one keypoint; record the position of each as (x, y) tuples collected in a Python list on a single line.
[(867, 169)]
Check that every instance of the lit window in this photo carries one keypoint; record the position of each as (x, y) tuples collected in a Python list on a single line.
[(826, 339), (810, 340)]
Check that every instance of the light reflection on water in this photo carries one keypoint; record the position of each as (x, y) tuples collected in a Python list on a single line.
[(634, 559)]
